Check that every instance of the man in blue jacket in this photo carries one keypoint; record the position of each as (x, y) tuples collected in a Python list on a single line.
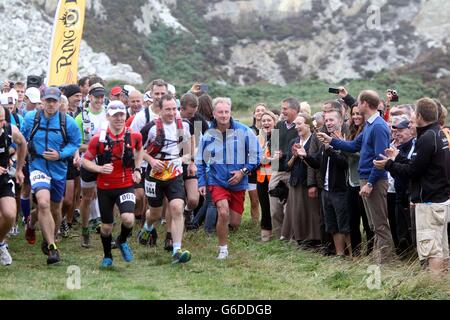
[(52, 138), (371, 143), (228, 151)]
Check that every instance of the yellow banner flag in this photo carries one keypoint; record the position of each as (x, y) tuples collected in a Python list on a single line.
[(66, 40)]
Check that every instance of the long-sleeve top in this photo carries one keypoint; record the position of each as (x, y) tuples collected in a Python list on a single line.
[(371, 142)]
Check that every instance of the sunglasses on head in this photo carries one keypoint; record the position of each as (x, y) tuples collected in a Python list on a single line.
[(116, 108)]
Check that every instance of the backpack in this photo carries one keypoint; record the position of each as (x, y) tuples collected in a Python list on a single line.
[(154, 147), (36, 124), (16, 118), (446, 132), (147, 115)]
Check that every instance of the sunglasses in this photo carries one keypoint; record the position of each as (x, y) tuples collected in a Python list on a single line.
[(116, 108)]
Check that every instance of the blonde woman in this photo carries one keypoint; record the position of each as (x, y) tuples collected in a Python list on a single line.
[(260, 108), (263, 174)]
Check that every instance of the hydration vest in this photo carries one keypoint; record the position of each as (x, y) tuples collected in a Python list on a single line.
[(107, 155), (36, 127), (5, 143), (154, 148)]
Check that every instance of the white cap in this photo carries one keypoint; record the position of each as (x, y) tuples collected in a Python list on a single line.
[(171, 88), (127, 89), (33, 94), (116, 106), (148, 96)]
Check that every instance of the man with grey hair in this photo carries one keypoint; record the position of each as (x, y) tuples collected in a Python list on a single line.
[(290, 108), (228, 151)]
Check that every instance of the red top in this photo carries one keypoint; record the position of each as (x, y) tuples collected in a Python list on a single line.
[(119, 178), (129, 121)]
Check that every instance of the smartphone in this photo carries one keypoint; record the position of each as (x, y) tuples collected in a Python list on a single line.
[(333, 90)]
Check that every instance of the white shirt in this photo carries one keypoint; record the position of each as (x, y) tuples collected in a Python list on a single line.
[(325, 184), (373, 117), (171, 150), (140, 120)]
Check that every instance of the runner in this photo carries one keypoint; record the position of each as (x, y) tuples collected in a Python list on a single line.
[(118, 153), (9, 134)]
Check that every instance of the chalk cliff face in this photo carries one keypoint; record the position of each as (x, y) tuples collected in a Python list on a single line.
[(25, 49), (277, 41)]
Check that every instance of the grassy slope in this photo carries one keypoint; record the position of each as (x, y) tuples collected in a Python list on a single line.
[(254, 270)]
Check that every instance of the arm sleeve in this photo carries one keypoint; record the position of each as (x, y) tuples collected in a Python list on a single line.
[(348, 146), (425, 148), (381, 136), (349, 100)]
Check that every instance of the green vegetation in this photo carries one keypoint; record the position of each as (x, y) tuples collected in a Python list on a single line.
[(316, 91), (255, 270)]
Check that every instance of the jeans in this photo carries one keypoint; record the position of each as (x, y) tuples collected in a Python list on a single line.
[(207, 213)]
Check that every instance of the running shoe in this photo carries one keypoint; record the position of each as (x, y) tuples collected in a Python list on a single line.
[(107, 262), (53, 254), (181, 256), (5, 257), (126, 252)]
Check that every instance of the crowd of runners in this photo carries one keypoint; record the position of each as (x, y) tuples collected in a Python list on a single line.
[(364, 176)]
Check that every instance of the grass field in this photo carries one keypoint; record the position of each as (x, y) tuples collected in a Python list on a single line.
[(254, 270)]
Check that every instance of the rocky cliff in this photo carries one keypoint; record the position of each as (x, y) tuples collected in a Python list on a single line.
[(276, 41)]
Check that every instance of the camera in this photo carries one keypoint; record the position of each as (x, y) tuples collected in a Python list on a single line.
[(34, 81), (394, 95)]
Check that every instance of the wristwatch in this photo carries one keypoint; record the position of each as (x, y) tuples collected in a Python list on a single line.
[(138, 170), (245, 171)]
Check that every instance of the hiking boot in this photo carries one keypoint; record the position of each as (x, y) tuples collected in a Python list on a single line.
[(106, 263), (181, 256), (5, 257), (168, 244), (53, 254), (30, 235), (85, 238), (126, 252), (44, 247)]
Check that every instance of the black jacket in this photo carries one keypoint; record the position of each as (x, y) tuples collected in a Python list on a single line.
[(337, 173), (429, 168), (299, 170)]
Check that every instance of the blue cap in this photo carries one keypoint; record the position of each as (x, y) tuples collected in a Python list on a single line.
[(402, 125), (52, 93)]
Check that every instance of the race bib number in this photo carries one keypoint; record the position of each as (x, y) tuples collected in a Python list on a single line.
[(37, 176), (128, 197), (150, 189)]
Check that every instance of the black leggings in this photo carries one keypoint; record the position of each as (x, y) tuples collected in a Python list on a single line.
[(263, 195), (357, 212)]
